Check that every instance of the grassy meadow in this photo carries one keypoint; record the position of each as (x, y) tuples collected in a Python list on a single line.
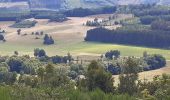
[(68, 36), (80, 48)]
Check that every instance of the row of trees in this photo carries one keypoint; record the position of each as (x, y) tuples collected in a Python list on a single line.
[(146, 63), (149, 19), (154, 11), (161, 25), (95, 22), (148, 38), (82, 12)]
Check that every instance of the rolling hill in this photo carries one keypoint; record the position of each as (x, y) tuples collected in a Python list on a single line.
[(69, 4)]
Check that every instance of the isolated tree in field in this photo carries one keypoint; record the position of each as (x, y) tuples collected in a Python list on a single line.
[(129, 77), (1, 37), (19, 31), (48, 40)]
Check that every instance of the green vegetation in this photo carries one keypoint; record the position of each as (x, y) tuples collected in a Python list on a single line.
[(37, 78), (24, 24), (77, 48)]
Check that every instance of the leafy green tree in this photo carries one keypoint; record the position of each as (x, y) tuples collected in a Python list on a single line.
[(15, 64), (97, 77), (112, 53), (129, 77), (39, 52), (48, 40), (155, 61)]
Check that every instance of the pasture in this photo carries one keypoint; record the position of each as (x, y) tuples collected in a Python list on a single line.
[(68, 36)]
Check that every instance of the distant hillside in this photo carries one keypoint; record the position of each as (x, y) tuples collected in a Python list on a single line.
[(69, 4)]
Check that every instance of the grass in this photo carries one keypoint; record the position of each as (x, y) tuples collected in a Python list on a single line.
[(66, 40), (77, 48)]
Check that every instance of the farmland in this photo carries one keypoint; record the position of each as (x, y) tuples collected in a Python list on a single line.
[(69, 37)]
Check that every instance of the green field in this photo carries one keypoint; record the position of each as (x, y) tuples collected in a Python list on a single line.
[(78, 48)]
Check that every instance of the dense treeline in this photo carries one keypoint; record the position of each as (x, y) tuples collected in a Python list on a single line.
[(148, 38), (58, 18), (24, 24), (146, 63), (82, 12), (55, 15), (152, 12), (160, 25), (14, 16), (132, 8), (149, 19)]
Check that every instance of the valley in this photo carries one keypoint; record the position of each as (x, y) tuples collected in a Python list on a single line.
[(84, 50), (69, 37)]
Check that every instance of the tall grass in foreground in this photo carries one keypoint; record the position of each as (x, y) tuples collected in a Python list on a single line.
[(4, 93), (97, 95)]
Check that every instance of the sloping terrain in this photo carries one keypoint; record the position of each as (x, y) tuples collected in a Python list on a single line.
[(69, 4)]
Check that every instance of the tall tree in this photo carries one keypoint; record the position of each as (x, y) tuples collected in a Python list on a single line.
[(97, 77), (129, 76)]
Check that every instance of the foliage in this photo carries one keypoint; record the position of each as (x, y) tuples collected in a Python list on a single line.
[(129, 77), (58, 18), (155, 61), (48, 40), (161, 25), (39, 52), (97, 77), (112, 53), (1, 37), (130, 37), (82, 12), (24, 24)]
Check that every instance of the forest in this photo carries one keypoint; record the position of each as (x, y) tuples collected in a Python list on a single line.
[(147, 38), (60, 78)]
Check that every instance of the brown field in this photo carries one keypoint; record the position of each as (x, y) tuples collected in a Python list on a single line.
[(149, 75)]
